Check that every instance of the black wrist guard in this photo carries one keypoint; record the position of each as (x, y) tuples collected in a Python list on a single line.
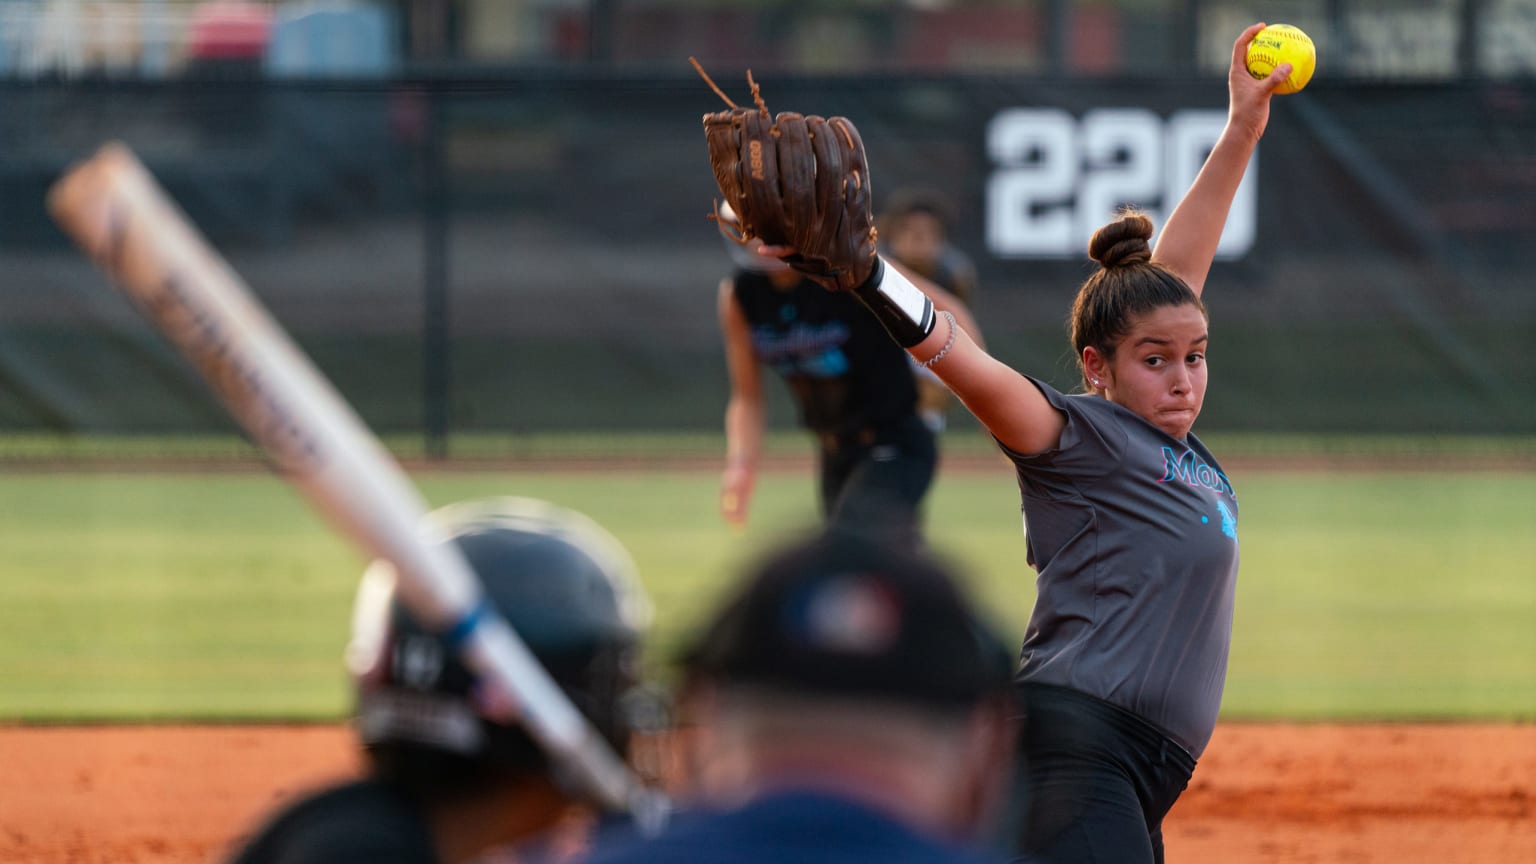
[(905, 312)]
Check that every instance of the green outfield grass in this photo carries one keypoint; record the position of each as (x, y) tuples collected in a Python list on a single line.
[(221, 596)]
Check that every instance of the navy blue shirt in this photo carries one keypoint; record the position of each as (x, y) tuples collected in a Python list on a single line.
[(800, 827)]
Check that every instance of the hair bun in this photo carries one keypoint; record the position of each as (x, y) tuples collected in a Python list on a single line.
[(1122, 242)]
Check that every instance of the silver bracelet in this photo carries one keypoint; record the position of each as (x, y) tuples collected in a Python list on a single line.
[(948, 343)]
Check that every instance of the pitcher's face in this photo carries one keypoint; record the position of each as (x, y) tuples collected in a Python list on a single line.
[(1158, 369)]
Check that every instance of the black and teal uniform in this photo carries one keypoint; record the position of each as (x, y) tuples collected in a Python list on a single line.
[(855, 392)]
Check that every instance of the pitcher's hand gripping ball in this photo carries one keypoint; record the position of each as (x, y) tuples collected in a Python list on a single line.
[(795, 181), (1282, 43)]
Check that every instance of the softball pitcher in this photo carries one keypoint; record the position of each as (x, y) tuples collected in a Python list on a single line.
[(1132, 523)]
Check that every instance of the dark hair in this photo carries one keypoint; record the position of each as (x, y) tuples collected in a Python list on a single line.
[(1128, 285)]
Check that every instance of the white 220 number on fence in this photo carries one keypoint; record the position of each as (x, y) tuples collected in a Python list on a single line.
[(1057, 178)]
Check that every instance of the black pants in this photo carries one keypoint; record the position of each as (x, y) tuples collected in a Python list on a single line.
[(877, 486), (1094, 781)]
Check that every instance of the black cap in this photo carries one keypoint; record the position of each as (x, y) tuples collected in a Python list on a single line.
[(841, 616)]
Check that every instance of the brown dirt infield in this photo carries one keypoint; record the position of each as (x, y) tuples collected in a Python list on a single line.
[(1441, 793)]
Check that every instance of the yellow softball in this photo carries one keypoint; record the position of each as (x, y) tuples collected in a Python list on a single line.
[(1282, 43)]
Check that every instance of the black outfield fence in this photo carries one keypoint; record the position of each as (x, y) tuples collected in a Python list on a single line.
[(531, 254)]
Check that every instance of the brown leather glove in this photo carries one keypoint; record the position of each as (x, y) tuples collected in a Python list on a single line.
[(796, 181)]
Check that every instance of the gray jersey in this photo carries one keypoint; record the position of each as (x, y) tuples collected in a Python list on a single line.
[(1134, 536)]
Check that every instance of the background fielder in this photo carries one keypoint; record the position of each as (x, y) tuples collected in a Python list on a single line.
[(914, 233), (854, 391)]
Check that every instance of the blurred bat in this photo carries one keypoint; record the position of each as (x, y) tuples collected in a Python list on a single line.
[(117, 213)]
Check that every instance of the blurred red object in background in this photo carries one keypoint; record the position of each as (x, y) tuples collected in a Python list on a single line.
[(229, 30)]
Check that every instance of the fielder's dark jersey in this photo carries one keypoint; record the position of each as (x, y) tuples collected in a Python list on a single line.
[(1134, 536), (799, 827), (359, 823), (845, 372)]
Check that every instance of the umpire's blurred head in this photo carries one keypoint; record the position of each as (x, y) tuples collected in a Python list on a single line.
[(848, 665), (840, 616)]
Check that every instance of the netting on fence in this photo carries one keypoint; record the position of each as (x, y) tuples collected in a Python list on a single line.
[(502, 259)]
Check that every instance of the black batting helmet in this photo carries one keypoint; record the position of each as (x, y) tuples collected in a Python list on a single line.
[(562, 582)]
